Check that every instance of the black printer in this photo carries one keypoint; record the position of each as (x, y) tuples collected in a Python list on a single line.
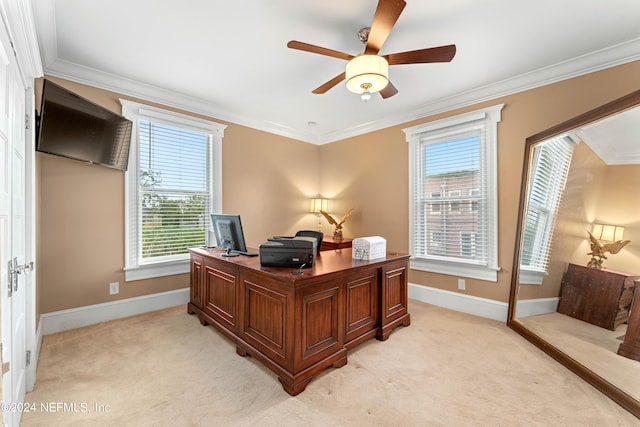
[(297, 252)]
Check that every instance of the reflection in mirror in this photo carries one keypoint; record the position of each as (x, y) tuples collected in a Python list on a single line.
[(550, 161), (573, 286)]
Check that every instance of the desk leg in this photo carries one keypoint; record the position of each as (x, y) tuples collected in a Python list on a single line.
[(190, 310), (290, 384), (384, 331), (294, 389), (297, 383)]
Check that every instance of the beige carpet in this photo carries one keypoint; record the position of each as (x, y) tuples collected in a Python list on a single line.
[(446, 369), (592, 346)]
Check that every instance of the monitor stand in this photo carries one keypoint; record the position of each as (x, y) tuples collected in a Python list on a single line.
[(228, 253)]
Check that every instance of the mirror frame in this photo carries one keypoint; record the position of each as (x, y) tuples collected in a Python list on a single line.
[(609, 389)]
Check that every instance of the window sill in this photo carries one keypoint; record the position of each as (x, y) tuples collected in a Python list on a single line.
[(530, 277), (454, 268), (149, 271)]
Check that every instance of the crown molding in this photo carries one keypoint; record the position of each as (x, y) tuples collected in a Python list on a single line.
[(600, 60), (606, 58), (609, 152)]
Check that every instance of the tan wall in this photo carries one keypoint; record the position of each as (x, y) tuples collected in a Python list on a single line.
[(268, 179), (620, 205), (369, 172)]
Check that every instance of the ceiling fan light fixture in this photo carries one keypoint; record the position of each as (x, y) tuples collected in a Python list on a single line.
[(367, 73)]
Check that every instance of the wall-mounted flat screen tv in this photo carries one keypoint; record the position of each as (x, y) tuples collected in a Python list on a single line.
[(74, 127)]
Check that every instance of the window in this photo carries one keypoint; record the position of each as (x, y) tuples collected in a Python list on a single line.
[(550, 165), (467, 244), (437, 241), (454, 201), (455, 157), (173, 184), (435, 205), (474, 196)]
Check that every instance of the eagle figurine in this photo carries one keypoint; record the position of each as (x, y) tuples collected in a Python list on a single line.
[(598, 250), (337, 233)]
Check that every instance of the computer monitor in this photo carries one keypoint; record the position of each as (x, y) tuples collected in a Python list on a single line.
[(227, 230)]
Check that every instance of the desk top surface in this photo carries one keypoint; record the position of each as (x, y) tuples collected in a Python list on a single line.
[(327, 262)]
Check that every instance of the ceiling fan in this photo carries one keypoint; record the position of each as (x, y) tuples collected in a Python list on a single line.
[(368, 72)]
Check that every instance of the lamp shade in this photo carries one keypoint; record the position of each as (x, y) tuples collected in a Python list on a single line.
[(608, 233), (368, 73), (318, 204)]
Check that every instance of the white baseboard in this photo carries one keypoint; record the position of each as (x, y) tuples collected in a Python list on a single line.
[(482, 307), (534, 307), (64, 320)]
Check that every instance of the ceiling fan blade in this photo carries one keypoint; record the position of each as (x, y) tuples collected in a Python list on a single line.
[(328, 85), (387, 13), (319, 50), (388, 91), (423, 56)]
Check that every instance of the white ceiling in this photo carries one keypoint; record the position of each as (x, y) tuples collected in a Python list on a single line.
[(615, 139), (228, 59)]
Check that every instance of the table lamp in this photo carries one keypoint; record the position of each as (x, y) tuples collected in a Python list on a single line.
[(317, 205), (602, 239)]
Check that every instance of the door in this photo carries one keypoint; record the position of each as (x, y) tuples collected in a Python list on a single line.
[(13, 190)]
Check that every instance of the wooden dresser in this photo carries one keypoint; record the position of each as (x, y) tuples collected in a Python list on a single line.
[(600, 297), (630, 347)]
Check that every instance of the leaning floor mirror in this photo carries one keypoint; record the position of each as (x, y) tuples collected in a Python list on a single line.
[(575, 290)]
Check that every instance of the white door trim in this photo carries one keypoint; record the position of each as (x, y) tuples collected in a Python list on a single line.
[(19, 19)]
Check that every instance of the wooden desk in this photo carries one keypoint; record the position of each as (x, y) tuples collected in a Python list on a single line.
[(299, 324), (329, 243), (600, 297)]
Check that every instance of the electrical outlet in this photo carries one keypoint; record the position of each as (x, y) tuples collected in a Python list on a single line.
[(114, 288), (461, 284)]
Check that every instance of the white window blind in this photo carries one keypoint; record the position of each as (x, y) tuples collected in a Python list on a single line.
[(550, 167), (173, 185), (453, 195), (452, 164), (174, 202)]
